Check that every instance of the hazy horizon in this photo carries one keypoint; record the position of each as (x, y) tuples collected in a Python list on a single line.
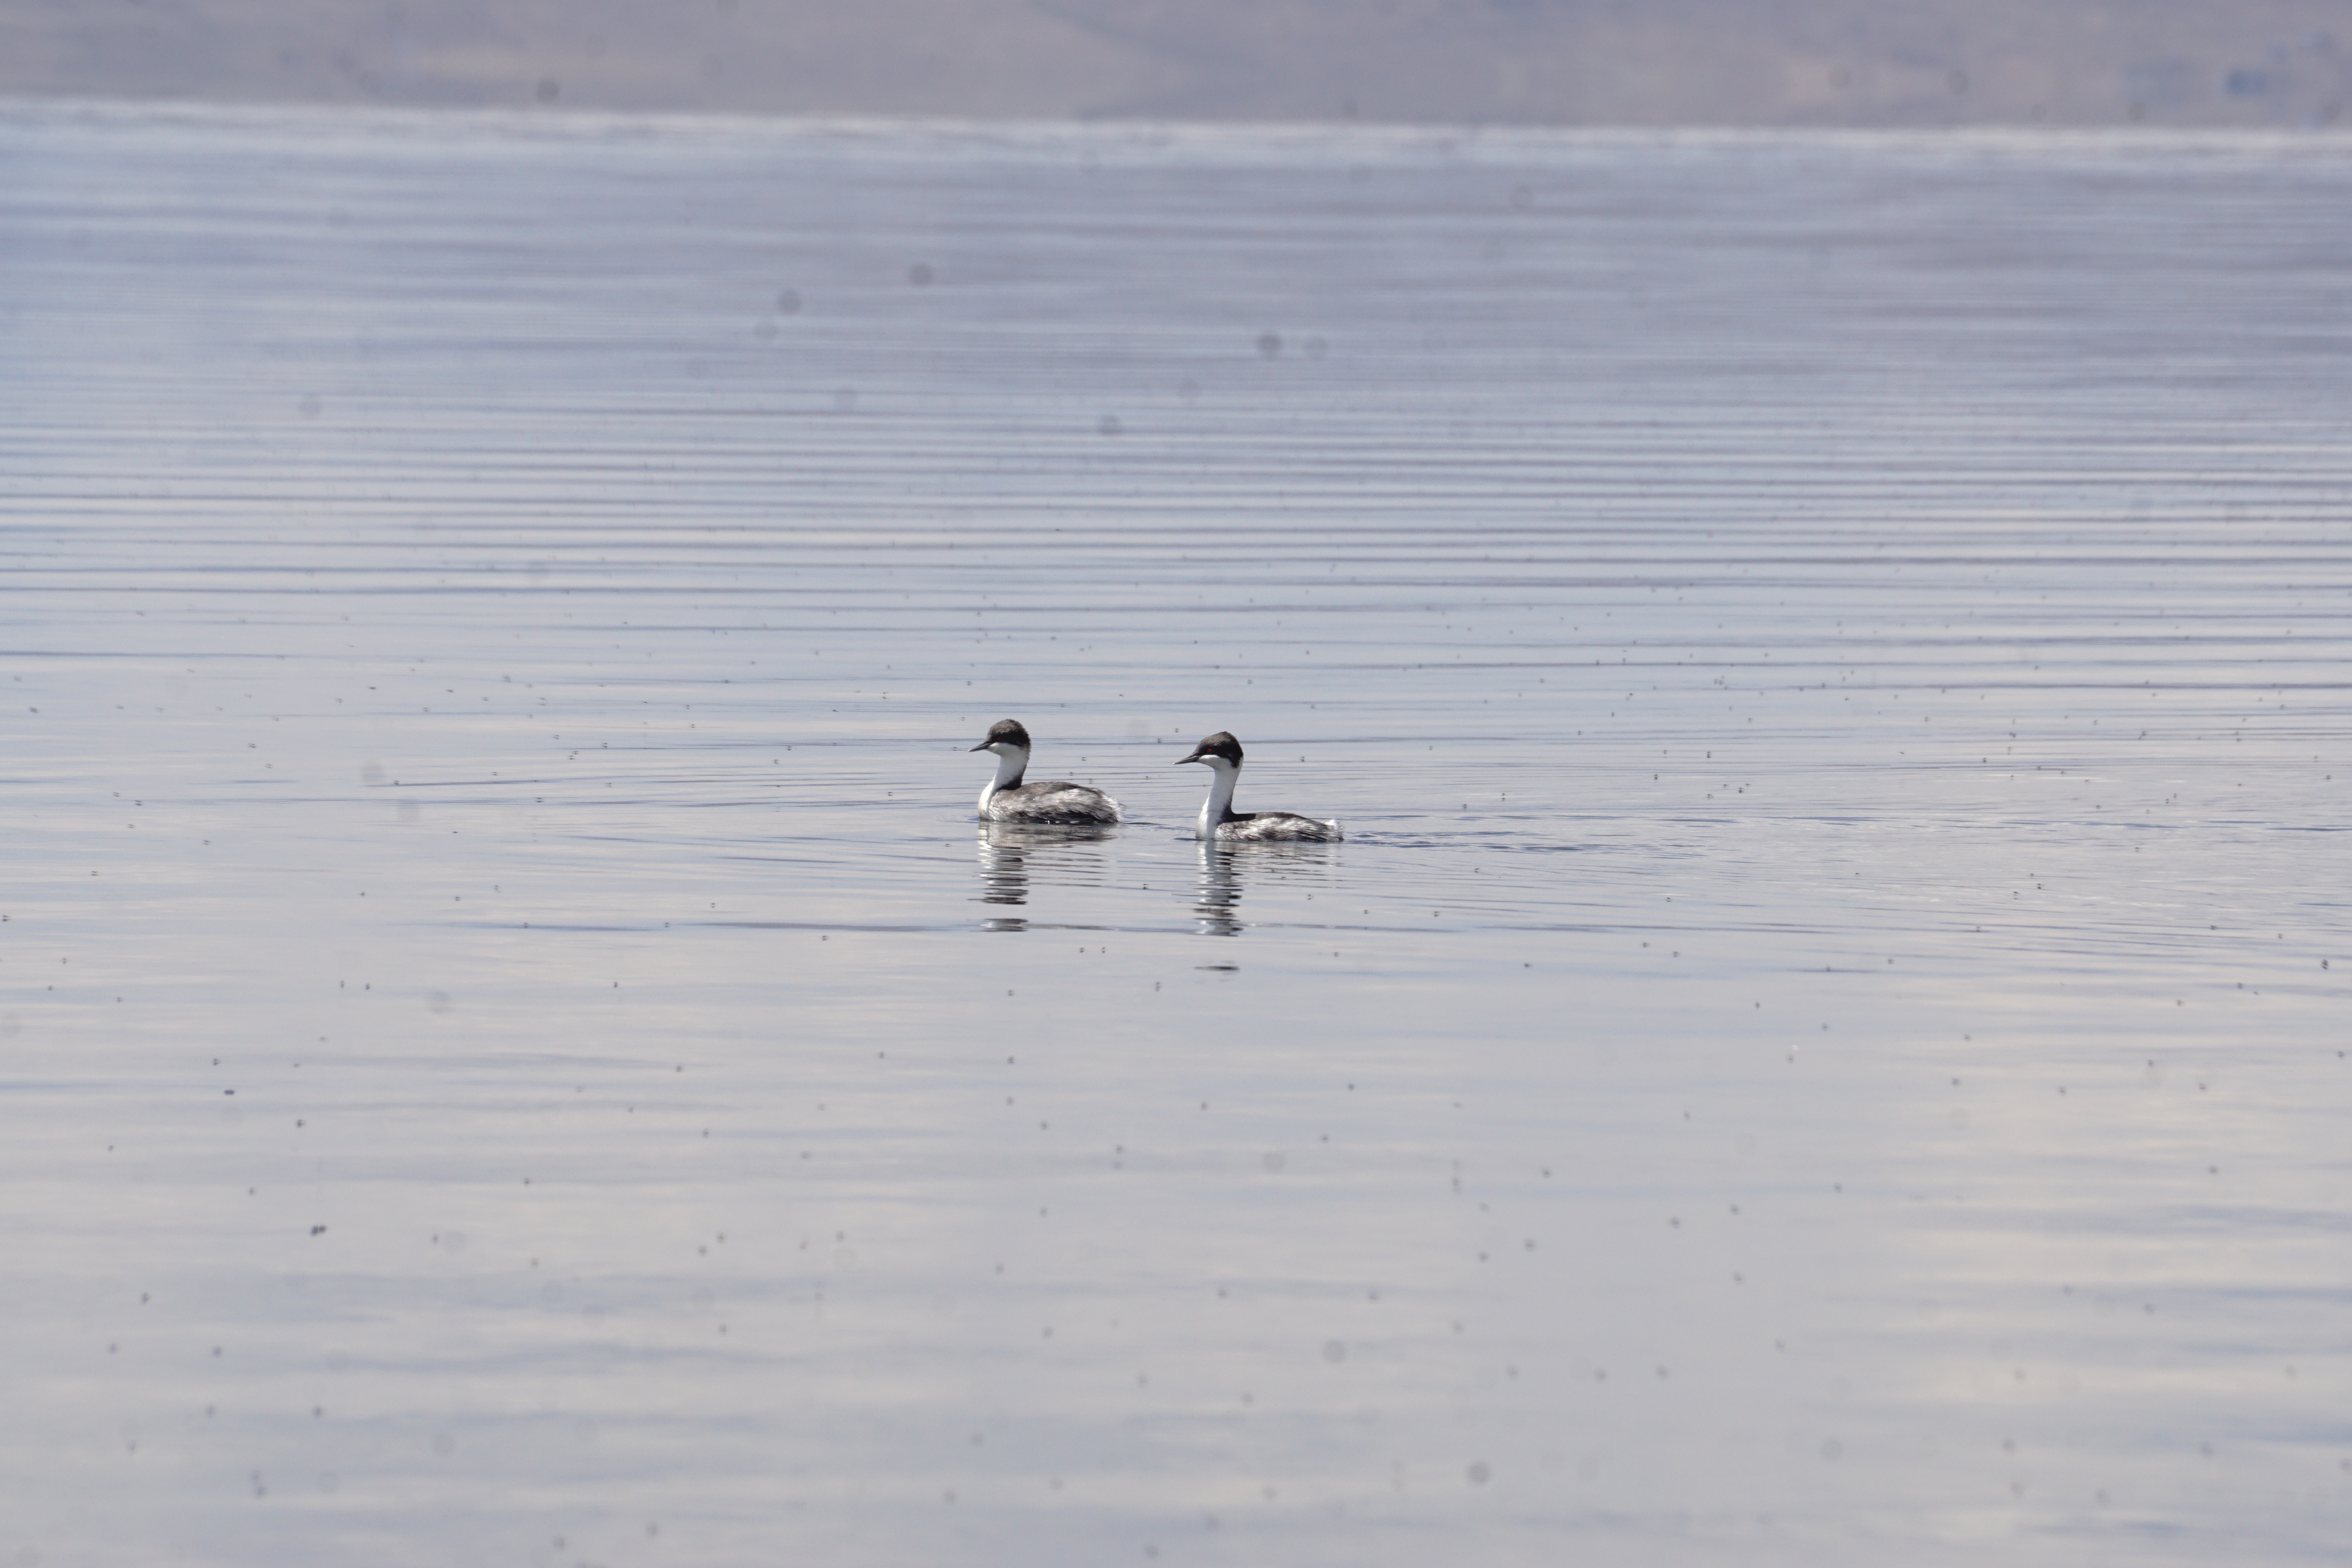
[(2274, 63)]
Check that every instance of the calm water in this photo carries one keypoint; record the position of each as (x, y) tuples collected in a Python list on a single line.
[(1825, 1043)]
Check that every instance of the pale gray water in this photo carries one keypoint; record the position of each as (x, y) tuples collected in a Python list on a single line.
[(1825, 1044)]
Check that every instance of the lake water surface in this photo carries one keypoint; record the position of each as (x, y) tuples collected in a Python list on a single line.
[(1825, 1043)]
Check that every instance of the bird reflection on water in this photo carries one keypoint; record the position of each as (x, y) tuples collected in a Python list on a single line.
[(1007, 850), (1220, 893), (1217, 900)]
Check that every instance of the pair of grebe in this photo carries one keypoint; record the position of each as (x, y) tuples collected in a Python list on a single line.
[(1007, 799)]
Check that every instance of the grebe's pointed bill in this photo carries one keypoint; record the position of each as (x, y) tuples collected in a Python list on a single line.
[(1220, 747), (1005, 732)]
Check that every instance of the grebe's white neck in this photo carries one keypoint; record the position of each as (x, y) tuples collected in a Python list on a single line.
[(1011, 761), (1222, 776)]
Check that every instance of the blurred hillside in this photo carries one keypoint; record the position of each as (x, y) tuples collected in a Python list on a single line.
[(1579, 62)]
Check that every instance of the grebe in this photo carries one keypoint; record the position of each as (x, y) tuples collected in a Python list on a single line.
[(1219, 820), (1059, 804)]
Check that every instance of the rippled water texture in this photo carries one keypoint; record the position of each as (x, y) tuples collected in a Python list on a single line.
[(1820, 1046)]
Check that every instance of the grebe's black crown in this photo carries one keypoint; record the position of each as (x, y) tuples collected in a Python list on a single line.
[(1005, 732), (1221, 745)]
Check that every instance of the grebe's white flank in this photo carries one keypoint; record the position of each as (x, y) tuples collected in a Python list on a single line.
[(1058, 803), (1221, 755)]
